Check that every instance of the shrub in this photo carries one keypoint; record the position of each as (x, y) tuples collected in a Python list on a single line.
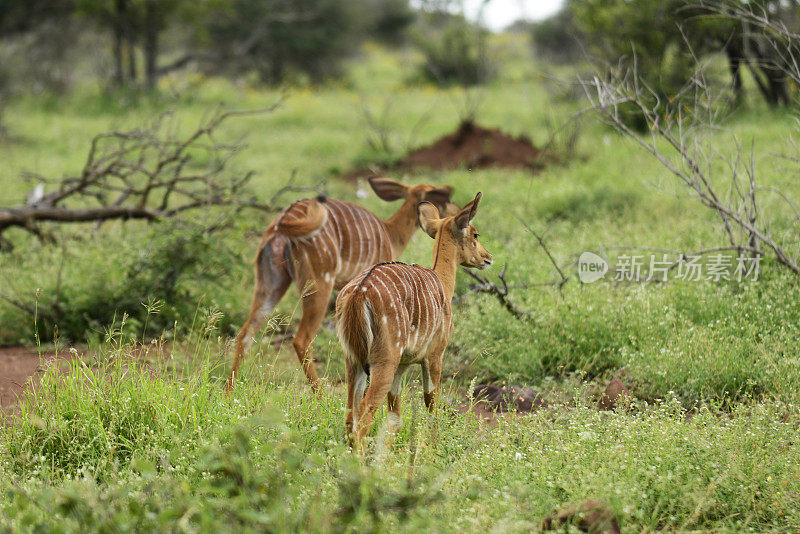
[(455, 52), (168, 271), (280, 39)]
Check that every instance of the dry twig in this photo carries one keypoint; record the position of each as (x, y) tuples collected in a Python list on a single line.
[(540, 238)]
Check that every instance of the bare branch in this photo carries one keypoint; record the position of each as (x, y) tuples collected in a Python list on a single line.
[(484, 285), (689, 130), (148, 174), (540, 238)]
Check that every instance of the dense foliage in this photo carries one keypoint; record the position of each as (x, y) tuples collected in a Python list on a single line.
[(665, 40)]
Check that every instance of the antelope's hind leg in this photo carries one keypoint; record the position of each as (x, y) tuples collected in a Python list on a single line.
[(380, 382), (272, 281), (356, 384), (315, 304)]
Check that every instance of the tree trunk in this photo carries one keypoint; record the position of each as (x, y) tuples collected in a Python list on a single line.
[(151, 30), (130, 38), (776, 81), (735, 64), (276, 65), (119, 37), (131, 58)]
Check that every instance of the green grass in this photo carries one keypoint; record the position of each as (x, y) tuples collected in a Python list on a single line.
[(142, 444), (122, 442)]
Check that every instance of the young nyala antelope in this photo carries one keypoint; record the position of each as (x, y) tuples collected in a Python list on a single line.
[(321, 244), (394, 315)]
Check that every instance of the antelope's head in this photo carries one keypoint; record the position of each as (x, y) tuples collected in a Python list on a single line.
[(458, 230), (390, 190)]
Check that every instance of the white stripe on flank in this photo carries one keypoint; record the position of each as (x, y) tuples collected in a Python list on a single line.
[(374, 235), (367, 326), (343, 226), (387, 294), (360, 234), (394, 275)]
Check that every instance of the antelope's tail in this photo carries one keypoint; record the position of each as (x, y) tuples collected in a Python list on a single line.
[(303, 219), (355, 325)]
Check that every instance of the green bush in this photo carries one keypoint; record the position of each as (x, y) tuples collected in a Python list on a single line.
[(308, 37), (155, 280), (557, 38), (455, 53)]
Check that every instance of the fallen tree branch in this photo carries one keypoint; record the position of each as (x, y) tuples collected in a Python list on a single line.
[(148, 174)]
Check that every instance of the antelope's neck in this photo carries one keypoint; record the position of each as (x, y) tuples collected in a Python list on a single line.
[(445, 262), (401, 226)]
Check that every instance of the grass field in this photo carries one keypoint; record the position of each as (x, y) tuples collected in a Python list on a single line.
[(127, 440)]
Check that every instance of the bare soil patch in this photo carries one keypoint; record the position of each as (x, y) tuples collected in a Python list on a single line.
[(17, 366), (471, 146)]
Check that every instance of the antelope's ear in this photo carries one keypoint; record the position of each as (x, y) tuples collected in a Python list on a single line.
[(450, 209), (440, 195), (428, 218), (467, 213), (388, 189)]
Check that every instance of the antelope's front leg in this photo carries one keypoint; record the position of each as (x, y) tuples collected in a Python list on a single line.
[(432, 376)]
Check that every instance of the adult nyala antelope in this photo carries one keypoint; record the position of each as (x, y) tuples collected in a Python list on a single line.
[(321, 244), (394, 315)]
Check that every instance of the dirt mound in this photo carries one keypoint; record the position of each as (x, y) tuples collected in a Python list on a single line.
[(472, 147), (475, 147), (615, 393)]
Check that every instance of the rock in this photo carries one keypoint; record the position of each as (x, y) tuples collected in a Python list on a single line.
[(592, 515), (614, 394), (507, 398)]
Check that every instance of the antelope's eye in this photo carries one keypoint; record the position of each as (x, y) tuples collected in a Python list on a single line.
[(477, 235)]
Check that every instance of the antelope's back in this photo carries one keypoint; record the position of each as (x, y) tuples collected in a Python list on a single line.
[(351, 240), (407, 302)]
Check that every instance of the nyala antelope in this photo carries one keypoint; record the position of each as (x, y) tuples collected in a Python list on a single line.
[(394, 315), (321, 244)]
